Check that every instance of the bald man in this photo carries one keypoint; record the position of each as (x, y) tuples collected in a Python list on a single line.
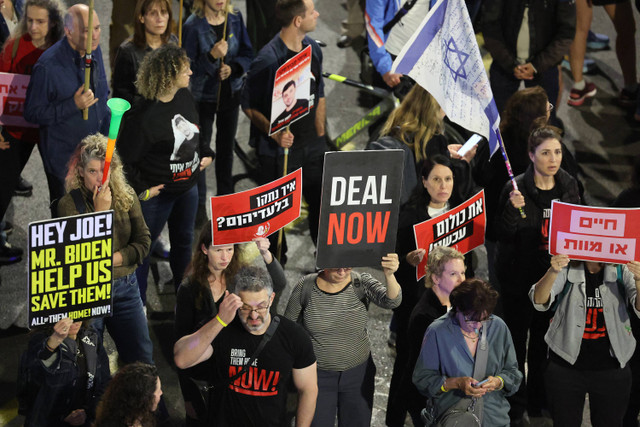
[(56, 98)]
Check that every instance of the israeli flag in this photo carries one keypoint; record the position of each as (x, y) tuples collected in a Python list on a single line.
[(443, 57)]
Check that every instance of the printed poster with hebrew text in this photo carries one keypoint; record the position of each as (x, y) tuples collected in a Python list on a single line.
[(259, 212), (594, 234), (13, 91)]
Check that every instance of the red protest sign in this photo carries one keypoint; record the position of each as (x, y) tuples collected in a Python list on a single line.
[(461, 228), (594, 234), (291, 91), (258, 212), (13, 91)]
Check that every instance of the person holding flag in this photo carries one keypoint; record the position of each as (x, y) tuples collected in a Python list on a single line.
[(523, 257), (56, 96)]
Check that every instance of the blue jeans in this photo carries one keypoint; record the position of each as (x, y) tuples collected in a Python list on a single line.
[(127, 324), (179, 211)]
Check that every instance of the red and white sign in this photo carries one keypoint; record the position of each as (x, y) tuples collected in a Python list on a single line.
[(13, 91), (258, 212), (594, 234), (461, 228)]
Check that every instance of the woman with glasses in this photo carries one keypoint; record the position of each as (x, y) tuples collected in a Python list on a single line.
[(523, 257), (332, 306), (590, 340), (444, 370), (209, 276)]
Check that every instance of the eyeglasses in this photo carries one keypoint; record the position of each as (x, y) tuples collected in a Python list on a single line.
[(473, 317), (259, 310), (549, 107)]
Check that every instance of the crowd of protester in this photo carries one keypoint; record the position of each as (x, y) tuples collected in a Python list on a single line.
[(239, 361)]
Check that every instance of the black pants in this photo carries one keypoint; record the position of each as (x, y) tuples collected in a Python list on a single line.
[(608, 395), (523, 320), (12, 161)]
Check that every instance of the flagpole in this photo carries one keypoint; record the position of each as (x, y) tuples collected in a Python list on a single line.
[(284, 173), (509, 170)]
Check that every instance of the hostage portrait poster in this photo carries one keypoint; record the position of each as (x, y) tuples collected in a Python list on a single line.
[(70, 268)]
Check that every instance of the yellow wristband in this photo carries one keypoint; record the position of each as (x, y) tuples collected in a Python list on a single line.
[(224, 325), (442, 388), (501, 382)]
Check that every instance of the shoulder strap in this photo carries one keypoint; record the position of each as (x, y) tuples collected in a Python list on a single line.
[(399, 15), (76, 194), (565, 290), (271, 330), (356, 281), (307, 287), (482, 353)]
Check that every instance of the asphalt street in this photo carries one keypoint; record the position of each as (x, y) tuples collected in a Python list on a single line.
[(603, 137)]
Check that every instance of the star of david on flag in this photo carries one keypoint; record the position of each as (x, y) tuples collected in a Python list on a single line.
[(443, 57)]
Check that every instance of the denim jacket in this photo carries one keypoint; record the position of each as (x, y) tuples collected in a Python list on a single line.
[(49, 103), (199, 38), (565, 332)]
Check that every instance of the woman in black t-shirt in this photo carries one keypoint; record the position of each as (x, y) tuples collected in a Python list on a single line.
[(160, 146), (590, 340), (523, 257)]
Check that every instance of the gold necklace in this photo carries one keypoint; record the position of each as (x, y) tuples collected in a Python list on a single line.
[(472, 338)]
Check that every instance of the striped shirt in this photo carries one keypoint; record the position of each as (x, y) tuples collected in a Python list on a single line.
[(337, 322)]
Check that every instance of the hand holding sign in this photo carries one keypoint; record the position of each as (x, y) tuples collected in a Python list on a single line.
[(414, 258), (229, 306), (263, 245), (558, 262), (284, 138), (634, 268), (61, 330), (390, 264)]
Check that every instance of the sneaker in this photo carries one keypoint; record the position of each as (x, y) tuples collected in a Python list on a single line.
[(161, 248), (589, 66), (9, 254), (344, 41), (628, 99), (597, 41), (24, 188), (577, 97)]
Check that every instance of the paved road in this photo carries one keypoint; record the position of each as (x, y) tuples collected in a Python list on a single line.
[(603, 137)]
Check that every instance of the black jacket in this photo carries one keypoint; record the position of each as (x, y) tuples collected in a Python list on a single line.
[(520, 261), (552, 26)]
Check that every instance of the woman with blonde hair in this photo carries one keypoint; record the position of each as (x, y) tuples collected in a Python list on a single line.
[(127, 324), (417, 127)]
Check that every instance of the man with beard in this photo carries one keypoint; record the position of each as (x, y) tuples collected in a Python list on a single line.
[(258, 395)]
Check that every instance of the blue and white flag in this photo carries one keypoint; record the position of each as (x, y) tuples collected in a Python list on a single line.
[(443, 57)]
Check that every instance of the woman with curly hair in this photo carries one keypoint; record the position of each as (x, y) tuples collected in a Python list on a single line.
[(151, 29), (131, 398), (212, 269), (164, 155), (127, 324)]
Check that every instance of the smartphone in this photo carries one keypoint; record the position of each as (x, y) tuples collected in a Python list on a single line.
[(481, 383)]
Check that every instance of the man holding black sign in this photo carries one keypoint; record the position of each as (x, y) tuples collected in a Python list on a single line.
[(305, 138), (253, 357)]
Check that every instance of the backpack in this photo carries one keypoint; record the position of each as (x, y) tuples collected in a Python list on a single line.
[(310, 279)]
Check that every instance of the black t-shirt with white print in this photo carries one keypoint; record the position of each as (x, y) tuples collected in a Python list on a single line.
[(257, 398)]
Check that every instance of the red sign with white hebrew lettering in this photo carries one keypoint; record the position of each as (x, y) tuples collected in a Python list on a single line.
[(461, 228), (13, 91), (259, 212), (594, 234)]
